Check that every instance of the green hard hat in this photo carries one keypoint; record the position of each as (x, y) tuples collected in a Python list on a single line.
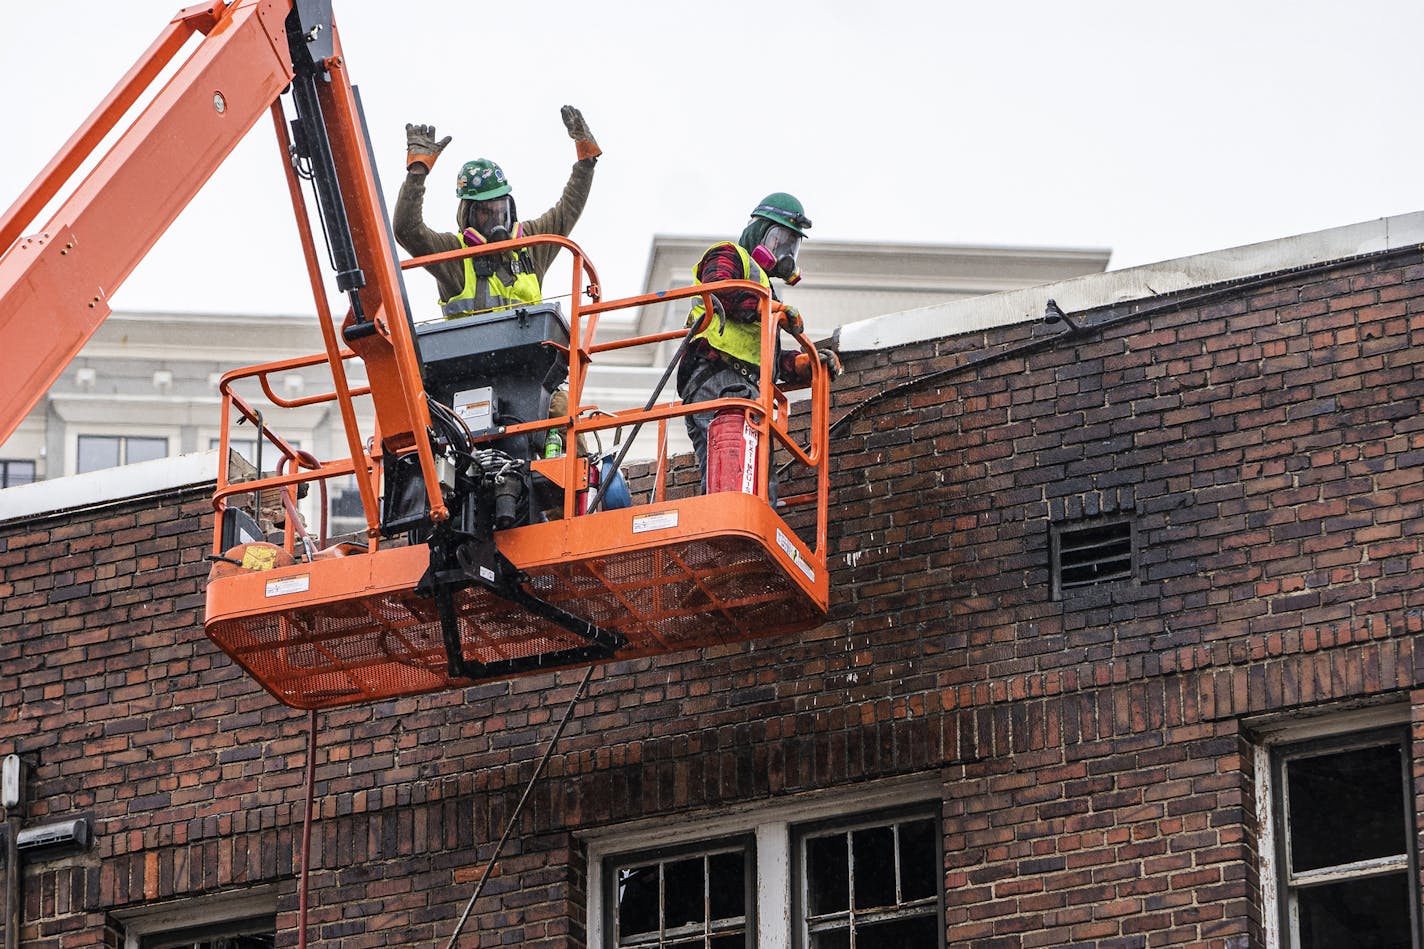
[(480, 180), (784, 209)]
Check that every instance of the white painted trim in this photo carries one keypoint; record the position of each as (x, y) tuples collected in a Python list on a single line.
[(773, 867), (769, 821), (1325, 724), (1268, 872), (111, 484), (1135, 283), (1283, 730), (156, 918)]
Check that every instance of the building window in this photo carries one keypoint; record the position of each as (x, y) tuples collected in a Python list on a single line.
[(237, 919), (857, 867), (872, 882), (346, 501), (1343, 828), (1088, 554), (14, 472), (97, 452), (245, 447), (247, 450), (259, 933), (345, 515), (696, 897)]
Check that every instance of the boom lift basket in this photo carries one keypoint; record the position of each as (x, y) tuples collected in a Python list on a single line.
[(662, 575), (333, 632)]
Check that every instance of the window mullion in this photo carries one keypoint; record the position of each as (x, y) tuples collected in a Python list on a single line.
[(1350, 871), (895, 851), (850, 884), (662, 905)]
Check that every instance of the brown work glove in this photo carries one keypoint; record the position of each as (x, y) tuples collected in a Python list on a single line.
[(421, 148), (788, 317), (796, 367), (578, 131)]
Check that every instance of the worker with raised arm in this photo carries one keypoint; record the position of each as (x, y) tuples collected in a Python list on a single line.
[(486, 214), (723, 360)]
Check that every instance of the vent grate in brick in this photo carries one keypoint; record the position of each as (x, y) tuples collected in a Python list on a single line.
[(1086, 555)]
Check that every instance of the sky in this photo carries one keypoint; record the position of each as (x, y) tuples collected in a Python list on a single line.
[(1155, 129)]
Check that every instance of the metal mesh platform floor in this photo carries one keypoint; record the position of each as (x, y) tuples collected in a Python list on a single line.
[(384, 643)]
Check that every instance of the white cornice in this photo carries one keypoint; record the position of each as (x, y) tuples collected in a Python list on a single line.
[(1137, 283), (107, 486)]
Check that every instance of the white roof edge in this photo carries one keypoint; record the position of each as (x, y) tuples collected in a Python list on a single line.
[(111, 484), (859, 246), (1134, 283)]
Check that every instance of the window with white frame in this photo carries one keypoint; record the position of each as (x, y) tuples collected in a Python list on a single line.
[(693, 896), (97, 452), (871, 881), (1340, 840), (834, 869)]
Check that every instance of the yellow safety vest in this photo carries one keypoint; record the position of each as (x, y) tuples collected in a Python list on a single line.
[(525, 288), (738, 340)]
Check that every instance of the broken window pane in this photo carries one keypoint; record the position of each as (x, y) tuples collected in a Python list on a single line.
[(1346, 807), (835, 939), (638, 900), (923, 931), (683, 892), (828, 870), (1371, 913), (920, 865), (727, 884), (1345, 843), (666, 902), (873, 884), (873, 851)]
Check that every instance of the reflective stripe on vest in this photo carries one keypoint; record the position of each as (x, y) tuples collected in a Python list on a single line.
[(738, 340), (490, 293)]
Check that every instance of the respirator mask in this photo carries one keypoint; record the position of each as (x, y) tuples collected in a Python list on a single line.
[(491, 220), (776, 254)]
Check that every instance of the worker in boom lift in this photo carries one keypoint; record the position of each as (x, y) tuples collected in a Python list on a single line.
[(723, 360), (486, 214)]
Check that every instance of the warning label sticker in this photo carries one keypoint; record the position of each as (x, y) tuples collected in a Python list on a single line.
[(288, 585), (662, 520), (785, 544)]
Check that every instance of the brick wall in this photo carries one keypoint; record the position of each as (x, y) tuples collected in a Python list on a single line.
[(1094, 751)]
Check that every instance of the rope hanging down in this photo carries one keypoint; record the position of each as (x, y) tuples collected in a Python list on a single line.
[(519, 809)]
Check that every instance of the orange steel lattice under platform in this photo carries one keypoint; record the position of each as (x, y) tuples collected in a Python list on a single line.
[(695, 573)]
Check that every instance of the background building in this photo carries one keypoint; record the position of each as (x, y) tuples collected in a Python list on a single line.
[(1122, 652)]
